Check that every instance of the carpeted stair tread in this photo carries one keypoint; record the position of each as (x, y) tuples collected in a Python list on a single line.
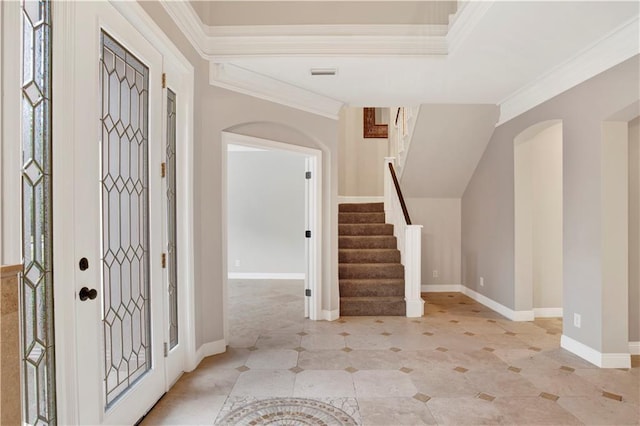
[(367, 217), (372, 306), (365, 229), (368, 256), (361, 207), (367, 242), (370, 270), (380, 287)]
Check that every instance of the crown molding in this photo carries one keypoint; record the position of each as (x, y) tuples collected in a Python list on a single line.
[(464, 21), (232, 77), (218, 42), (614, 48)]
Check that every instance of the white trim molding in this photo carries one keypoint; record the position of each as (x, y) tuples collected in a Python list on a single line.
[(232, 77), (498, 307), (469, 14), (218, 42), (634, 348), (266, 276), (547, 312), (602, 360), (614, 48), (442, 288), (330, 315), (207, 349)]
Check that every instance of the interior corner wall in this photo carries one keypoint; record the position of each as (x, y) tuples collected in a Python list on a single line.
[(488, 201), (440, 220), (217, 110), (538, 219), (634, 230), (266, 212), (361, 161)]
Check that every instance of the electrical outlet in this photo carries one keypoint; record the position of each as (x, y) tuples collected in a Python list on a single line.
[(576, 320), (237, 262), (435, 273), (481, 281)]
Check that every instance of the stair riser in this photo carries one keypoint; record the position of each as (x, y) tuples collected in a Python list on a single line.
[(361, 218), (369, 256), (367, 242), (371, 308), (364, 271), (371, 290), (361, 207), (368, 229)]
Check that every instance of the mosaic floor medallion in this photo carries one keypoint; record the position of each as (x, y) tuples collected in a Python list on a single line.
[(287, 411)]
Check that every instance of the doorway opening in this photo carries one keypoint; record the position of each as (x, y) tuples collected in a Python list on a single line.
[(271, 232), (538, 219)]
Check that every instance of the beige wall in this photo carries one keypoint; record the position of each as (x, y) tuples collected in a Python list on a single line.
[(440, 220), (361, 160), (488, 202), (217, 110), (538, 218), (10, 401), (634, 230)]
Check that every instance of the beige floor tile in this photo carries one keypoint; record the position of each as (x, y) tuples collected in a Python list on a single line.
[(323, 341), (324, 383), (382, 384), (417, 384), (466, 410), (324, 360), (265, 383), (534, 411), (560, 383), (394, 411), (602, 411), (272, 359)]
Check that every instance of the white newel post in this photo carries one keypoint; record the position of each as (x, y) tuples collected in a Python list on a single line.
[(409, 244), (412, 268)]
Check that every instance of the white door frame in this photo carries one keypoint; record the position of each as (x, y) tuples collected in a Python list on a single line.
[(314, 258), (63, 31)]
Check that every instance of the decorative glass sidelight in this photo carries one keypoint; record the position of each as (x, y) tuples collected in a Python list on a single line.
[(171, 219), (36, 295), (125, 217)]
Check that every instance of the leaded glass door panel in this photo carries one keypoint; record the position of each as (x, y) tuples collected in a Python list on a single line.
[(118, 227)]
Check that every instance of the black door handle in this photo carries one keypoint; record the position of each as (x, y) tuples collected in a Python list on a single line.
[(85, 293)]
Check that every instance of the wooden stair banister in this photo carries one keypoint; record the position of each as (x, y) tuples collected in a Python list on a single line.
[(405, 212)]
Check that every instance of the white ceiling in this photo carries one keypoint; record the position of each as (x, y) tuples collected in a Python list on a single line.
[(490, 53)]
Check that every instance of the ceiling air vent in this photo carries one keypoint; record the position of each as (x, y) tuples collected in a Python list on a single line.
[(324, 71)]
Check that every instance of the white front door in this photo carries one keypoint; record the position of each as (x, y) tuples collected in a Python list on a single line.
[(117, 218)]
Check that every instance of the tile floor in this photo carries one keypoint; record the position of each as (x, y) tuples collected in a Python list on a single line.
[(460, 364)]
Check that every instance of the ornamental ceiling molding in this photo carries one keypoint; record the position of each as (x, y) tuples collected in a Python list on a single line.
[(224, 42), (614, 48)]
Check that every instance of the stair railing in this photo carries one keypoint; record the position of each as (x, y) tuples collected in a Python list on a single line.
[(402, 124), (409, 239)]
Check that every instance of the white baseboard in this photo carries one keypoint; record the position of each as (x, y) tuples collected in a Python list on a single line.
[(441, 288), (330, 315), (499, 308), (365, 199), (602, 360), (634, 348), (208, 349), (415, 308), (547, 312), (266, 276)]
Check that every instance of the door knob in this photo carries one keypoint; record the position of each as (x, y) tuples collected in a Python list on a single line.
[(85, 293)]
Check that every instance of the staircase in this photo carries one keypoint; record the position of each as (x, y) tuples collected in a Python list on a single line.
[(371, 276)]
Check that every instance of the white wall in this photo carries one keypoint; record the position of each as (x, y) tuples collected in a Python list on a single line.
[(634, 230), (360, 160), (441, 221), (266, 212), (538, 217)]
